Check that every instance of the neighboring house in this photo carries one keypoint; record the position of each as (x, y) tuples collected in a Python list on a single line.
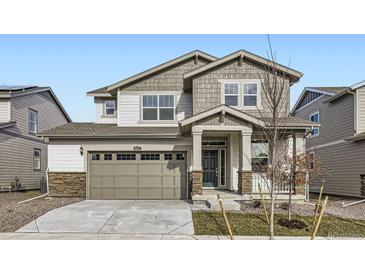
[(339, 143), (171, 132), (25, 111)]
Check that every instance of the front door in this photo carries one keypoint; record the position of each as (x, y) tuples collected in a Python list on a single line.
[(210, 168)]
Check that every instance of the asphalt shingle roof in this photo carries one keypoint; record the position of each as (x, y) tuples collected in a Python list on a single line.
[(107, 130), (330, 89)]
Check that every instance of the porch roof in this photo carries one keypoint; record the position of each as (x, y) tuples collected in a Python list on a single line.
[(288, 122)]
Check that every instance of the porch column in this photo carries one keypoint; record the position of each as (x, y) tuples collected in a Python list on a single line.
[(197, 173), (245, 168), (298, 141)]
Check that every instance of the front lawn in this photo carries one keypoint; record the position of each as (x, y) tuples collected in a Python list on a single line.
[(212, 223)]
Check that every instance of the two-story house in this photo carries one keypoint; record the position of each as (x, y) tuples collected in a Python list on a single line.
[(171, 132), (339, 144), (25, 111)]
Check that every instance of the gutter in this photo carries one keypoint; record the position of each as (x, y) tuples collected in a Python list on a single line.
[(40, 196)]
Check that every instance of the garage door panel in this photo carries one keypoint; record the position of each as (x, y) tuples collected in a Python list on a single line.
[(168, 181), (137, 179), (126, 169), (149, 193), (150, 181), (126, 181), (149, 168), (126, 193)]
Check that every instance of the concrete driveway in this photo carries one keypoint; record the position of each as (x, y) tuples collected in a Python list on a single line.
[(124, 217)]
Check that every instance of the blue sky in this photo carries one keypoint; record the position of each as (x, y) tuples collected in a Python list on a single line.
[(75, 64)]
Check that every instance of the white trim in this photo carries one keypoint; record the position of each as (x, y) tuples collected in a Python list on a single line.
[(357, 85), (218, 109), (310, 119), (356, 113), (141, 120), (241, 95)]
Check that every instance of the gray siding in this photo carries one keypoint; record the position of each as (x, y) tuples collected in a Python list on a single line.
[(17, 144), (49, 114), (345, 163), (167, 80), (207, 88), (17, 160), (336, 119)]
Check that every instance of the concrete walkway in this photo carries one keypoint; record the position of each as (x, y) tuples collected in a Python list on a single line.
[(101, 236), (115, 217)]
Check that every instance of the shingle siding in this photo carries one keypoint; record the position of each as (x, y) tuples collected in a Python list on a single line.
[(361, 110), (4, 110), (168, 80), (207, 88)]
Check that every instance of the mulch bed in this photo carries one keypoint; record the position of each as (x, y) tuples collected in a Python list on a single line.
[(14, 216)]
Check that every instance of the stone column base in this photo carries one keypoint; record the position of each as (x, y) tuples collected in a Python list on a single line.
[(244, 182), (196, 182)]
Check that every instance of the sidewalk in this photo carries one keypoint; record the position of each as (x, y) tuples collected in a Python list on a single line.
[(85, 236)]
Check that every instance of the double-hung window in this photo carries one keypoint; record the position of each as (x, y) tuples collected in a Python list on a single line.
[(158, 107), (315, 119), (231, 94), (32, 121), (250, 94), (109, 107), (36, 159)]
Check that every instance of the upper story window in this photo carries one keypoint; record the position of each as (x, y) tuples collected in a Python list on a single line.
[(32, 121), (241, 93), (315, 119), (231, 94), (250, 94), (158, 107), (109, 107)]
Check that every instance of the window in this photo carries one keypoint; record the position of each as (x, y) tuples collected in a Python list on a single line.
[(149, 157), (180, 156), (36, 159), (231, 94), (32, 121), (108, 157), (158, 107), (126, 156), (250, 95), (95, 157), (312, 161), (259, 156), (109, 107), (315, 119), (167, 156)]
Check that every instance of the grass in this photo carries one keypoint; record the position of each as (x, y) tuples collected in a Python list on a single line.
[(212, 223)]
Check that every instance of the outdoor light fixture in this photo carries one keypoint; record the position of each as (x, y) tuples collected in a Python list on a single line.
[(81, 150)]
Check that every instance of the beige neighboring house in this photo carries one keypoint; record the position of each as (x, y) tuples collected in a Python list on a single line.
[(340, 141), (25, 111), (180, 130)]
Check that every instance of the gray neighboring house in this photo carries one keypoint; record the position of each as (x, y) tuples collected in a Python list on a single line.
[(180, 130), (25, 111), (340, 141)]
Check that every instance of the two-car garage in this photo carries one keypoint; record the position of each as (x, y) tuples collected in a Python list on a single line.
[(137, 175)]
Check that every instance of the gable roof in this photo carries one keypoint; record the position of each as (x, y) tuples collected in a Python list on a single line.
[(153, 70), (15, 91), (293, 74), (349, 89)]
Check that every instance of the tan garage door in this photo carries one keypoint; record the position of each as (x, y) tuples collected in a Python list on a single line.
[(141, 175)]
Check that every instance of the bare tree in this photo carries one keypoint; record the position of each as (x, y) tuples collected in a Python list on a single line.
[(274, 88)]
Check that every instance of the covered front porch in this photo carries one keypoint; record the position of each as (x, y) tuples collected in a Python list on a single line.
[(227, 158)]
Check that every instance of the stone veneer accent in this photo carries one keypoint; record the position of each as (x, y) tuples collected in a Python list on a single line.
[(196, 182), (67, 184), (244, 182)]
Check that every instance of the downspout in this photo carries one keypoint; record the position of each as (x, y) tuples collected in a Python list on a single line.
[(40, 196)]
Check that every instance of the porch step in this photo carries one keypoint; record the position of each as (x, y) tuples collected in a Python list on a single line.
[(229, 205)]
